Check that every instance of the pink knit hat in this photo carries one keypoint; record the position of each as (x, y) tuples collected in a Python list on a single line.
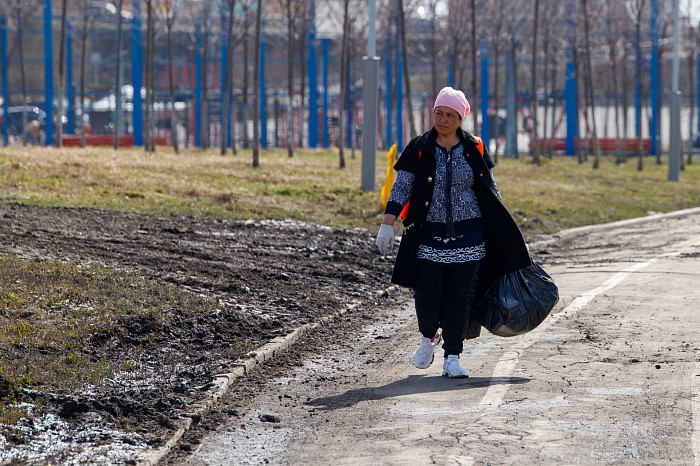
[(454, 99)]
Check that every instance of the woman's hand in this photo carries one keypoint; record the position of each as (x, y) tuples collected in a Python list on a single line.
[(385, 238)]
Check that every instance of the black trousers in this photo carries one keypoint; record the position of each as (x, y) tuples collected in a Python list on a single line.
[(443, 297)]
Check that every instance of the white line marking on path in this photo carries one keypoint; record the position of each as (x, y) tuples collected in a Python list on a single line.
[(695, 402), (506, 364)]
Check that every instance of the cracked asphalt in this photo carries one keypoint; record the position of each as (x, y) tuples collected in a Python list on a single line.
[(611, 377)]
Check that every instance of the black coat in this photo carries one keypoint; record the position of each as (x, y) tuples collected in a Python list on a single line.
[(505, 247)]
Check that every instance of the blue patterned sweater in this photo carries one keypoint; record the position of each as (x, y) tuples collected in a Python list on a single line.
[(453, 231)]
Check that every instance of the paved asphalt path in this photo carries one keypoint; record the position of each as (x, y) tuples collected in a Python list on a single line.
[(611, 377)]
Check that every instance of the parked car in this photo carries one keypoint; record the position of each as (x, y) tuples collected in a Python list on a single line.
[(14, 118)]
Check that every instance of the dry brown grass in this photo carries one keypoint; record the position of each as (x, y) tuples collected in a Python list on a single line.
[(311, 187), (50, 314)]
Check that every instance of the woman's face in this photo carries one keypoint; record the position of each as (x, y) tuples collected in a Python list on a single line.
[(446, 121)]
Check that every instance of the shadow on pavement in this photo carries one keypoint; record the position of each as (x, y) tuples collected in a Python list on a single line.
[(412, 385)]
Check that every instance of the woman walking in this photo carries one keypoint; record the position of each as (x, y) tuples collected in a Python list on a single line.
[(457, 235)]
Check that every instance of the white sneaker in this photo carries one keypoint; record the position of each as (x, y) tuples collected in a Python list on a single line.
[(426, 351), (452, 369)]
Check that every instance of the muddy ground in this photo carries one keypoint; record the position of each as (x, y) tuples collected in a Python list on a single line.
[(269, 277)]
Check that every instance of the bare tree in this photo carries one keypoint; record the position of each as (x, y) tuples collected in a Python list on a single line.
[(611, 14), (149, 144), (498, 40), (170, 12), (203, 14), (118, 84), (457, 21), (18, 9), (406, 74), (691, 44), (589, 81), (343, 82), (247, 6), (225, 122), (61, 77), (290, 8), (533, 87), (87, 20), (636, 9), (256, 85), (432, 6)]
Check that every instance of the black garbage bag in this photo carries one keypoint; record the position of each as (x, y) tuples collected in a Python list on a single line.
[(517, 302)]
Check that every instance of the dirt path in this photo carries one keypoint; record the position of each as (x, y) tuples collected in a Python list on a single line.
[(613, 376)]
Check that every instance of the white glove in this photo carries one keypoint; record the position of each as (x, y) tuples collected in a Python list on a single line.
[(385, 238)]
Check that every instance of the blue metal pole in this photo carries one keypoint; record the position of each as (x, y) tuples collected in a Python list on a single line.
[(137, 74), (70, 94), (697, 91), (263, 99), (198, 89), (654, 84), (485, 130), (326, 133), (387, 74), (5, 93), (48, 73), (313, 86)]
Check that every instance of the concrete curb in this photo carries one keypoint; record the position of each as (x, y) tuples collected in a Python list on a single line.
[(222, 382), (571, 233)]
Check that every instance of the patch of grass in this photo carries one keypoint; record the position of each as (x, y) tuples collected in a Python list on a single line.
[(310, 186), (48, 327)]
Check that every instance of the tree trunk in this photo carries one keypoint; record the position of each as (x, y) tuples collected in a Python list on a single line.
[(147, 66), (616, 98), (245, 88), (205, 79), (406, 75), (625, 101), (256, 85), (533, 87), (20, 39), (580, 152), (83, 56), (171, 89), (343, 84), (226, 119), (61, 78), (301, 44), (548, 85), (691, 64), (433, 52), (640, 142), (589, 84), (152, 86), (496, 102), (290, 80), (118, 85)]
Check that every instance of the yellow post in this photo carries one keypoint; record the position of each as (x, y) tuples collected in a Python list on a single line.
[(390, 176)]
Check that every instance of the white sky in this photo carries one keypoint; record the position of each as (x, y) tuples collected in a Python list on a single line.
[(694, 9)]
